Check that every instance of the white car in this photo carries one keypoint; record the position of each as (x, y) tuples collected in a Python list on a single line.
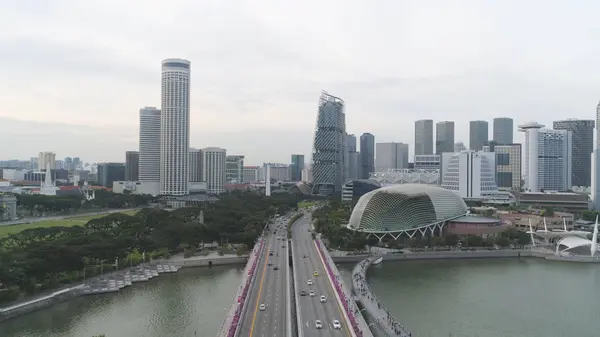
[(323, 299), (309, 282), (336, 324), (318, 324), (311, 293), (263, 307)]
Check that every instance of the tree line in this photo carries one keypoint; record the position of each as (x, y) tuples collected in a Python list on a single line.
[(44, 258), (37, 204)]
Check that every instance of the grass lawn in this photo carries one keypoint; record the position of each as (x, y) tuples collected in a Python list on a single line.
[(69, 222), (306, 204)]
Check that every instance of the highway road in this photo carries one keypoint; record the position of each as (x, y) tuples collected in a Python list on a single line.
[(270, 288), (311, 309)]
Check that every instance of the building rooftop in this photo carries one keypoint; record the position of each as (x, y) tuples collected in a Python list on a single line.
[(476, 219)]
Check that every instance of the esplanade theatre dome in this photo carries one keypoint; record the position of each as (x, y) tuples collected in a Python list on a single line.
[(406, 207)]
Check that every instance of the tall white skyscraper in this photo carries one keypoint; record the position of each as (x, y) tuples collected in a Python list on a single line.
[(149, 160), (547, 158), (174, 126), (213, 169), (47, 161)]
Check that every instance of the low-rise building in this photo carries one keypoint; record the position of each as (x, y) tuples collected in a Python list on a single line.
[(8, 207)]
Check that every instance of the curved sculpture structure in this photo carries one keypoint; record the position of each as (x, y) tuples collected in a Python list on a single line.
[(406, 209)]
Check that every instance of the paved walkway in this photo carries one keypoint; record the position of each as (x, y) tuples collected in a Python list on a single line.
[(371, 303)]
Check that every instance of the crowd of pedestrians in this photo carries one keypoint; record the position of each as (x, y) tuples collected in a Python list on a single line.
[(348, 304), (384, 319), (242, 297)]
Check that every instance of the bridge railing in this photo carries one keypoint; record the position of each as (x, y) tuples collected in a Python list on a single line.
[(347, 301), (379, 314), (232, 320)]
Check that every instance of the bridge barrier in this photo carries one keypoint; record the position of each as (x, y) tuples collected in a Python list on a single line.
[(231, 322), (298, 314), (288, 294), (370, 302), (350, 310)]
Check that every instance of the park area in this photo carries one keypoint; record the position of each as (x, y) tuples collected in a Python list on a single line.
[(306, 204), (65, 222)]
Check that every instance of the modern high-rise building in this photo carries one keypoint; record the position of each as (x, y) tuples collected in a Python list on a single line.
[(547, 158), (275, 171), (46, 161), (353, 166), (428, 162), (297, 167), (329, 146), (503, 130), (583, 144), (251, 174), (423, 137), (234, 169), (195, 165), (174, 127), (350, 147), (459, 146), (132, 165), (478, 134), (469, 174), (110, 172), (213, 169), (508, 165), (389, 156), (149, 147), (595, 186), (444, 137), (367, 155)]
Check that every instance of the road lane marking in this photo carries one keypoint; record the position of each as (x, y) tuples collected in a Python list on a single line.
[(262, 279), (342, 319)]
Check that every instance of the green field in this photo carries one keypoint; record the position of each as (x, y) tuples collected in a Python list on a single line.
[(69, 222), (306, 204)]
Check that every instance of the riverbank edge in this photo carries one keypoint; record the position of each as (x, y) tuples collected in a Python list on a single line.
[(198, 262), (447, 255)]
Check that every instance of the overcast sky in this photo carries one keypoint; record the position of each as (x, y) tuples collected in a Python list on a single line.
[(74, 74)]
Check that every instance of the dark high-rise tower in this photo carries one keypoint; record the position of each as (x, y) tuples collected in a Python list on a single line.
[(367, 155), (329, 146), (478, 135), (444, 137), (503, 131), (423, 137), (132, 165), (297, 167), (583, 144)]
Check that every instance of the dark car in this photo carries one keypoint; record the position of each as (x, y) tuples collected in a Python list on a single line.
[(275, 268), (304, 256), (303, 293)]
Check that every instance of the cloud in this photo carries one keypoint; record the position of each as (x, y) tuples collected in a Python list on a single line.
[(258, 68)]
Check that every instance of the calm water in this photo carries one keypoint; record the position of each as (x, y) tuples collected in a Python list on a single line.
[(491, 298), (192, 300)]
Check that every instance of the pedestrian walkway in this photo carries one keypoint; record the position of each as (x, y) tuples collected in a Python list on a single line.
[(371, 303), (232, 319)]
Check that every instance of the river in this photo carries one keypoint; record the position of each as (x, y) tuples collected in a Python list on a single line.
[(191, 302), (458, 298), (490, 298)]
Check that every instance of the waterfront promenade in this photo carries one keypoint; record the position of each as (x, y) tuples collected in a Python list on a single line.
[(370, 302)]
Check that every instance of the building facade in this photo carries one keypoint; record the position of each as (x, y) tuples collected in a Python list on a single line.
[(329, 146), (595, 183), (195, 165), (582, 136), (367, 155), (353, 166), (250, 174), (275, 172), (149, 146), (478, 134), (234, 169), (389, 156), (47, 161), (428, 162), (132, 165), (508, 165), (423, 137), (297, 167), (547, 158), (174, 127), (503, 130), (470, 174), (444, 137), (213, 169), (110, 172)]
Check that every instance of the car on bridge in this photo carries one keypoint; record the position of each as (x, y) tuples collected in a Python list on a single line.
[(318, 324), (302, 293), (263, 307), (311, 293), (309, 282), (336, 324), (316, 273), (323, 299)]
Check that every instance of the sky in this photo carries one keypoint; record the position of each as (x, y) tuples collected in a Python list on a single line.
[(74, 74)]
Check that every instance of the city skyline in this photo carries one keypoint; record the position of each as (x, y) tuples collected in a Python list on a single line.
[(93, 80)]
